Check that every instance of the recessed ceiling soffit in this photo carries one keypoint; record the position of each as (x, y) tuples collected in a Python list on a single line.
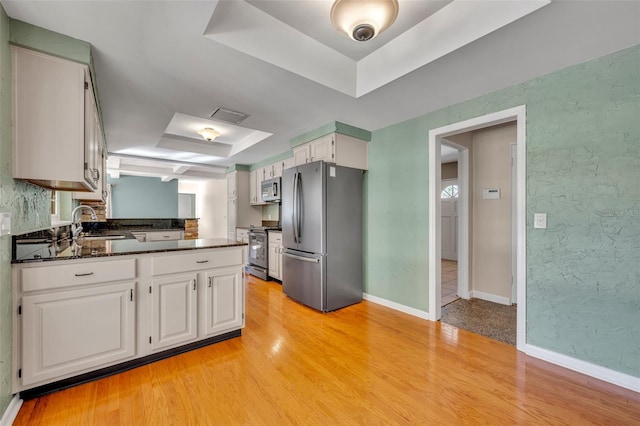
[(277, 37)]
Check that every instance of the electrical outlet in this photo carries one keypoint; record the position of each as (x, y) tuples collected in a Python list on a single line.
[(540, 221), (5, 223)]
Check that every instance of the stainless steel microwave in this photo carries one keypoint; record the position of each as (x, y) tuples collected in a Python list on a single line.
[(271, 190)]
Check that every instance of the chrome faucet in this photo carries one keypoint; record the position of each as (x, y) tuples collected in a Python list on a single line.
[(76, 225)]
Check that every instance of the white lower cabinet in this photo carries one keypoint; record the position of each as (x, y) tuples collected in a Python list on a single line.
[(68, 331), (223, 303), (164, 236), (173, 310), (275, 255), (76, 316)]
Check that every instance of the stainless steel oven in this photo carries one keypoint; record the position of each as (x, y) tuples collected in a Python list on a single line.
[(258, 253)]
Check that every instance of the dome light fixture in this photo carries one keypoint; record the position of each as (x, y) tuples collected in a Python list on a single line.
[(208, 133), (362, 20)]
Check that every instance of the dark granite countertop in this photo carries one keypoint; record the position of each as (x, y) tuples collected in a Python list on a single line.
[(42, 250)]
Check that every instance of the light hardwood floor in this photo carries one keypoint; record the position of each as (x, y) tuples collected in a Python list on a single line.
[(365, 364)]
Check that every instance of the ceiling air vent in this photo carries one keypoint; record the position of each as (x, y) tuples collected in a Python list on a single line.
[(223, 114)]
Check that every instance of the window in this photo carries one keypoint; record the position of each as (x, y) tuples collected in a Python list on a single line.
[(450, 191)]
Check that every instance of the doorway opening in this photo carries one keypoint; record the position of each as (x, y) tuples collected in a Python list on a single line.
[(443, 135)]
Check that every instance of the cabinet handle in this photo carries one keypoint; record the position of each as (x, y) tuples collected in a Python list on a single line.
[(194, 284), (209, 282), (202, 261), (166, 236), (131, 295), (84, 275)]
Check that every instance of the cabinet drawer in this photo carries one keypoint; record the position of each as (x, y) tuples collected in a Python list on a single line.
[(164, 236), (52, 277), (194, 261), (275, 237)]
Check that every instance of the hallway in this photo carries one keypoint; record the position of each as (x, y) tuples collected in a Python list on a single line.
[(449, 282)]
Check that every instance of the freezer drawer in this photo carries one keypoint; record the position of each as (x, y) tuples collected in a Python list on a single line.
[(303, 278)]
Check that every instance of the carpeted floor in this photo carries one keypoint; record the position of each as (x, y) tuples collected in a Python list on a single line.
[(488, 319)]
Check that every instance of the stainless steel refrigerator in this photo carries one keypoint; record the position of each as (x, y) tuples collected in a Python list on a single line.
[(322, 235)]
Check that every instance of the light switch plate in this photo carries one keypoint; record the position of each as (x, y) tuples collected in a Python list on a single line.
[(5, 223), (540, 220)]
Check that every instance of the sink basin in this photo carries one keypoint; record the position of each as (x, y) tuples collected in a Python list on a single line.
[(103, 237)]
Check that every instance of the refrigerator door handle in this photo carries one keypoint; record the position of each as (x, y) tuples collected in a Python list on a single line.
[(299, 211), (295, 205), (304, 259)]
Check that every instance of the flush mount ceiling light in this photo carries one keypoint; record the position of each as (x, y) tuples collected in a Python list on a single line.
[(208, 133), (362, 20)]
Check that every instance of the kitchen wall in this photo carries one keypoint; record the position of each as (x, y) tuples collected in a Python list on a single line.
[(449, 170), (143, 197), (271, 212), (491, 247), (28, 204), (211, 207), (583, 157)]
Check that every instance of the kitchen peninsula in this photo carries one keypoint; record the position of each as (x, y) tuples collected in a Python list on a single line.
[(92, 307)]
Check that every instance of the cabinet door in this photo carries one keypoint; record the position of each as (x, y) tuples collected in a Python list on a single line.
[(322, 149), (224, 307), (288, 163), (280, 262), (253, 187), (164, 236), (173, 310), (99, 194), (274, 264), (232, 186), (69, 331), (277, 169), (300, 154), (91, 172), (261, 173), (232, 212)]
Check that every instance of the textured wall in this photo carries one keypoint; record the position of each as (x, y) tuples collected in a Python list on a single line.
[(491, 247), (583, 157), (23, 201), (138, 197)]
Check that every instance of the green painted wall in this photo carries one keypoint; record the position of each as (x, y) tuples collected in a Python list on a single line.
[(143, 197), (583, 162), (23, 201), (333, 127), (282, 156)]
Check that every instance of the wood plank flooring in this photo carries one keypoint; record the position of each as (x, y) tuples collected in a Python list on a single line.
[(365, 364)]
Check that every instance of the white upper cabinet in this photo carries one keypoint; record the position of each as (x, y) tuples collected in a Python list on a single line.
[(240, 212), (334, 148), (287, 163), (55, 122)]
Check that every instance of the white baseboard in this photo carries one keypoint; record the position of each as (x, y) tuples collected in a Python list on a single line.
[(397, 306), (489, 297), (11, 412), (605, 374)]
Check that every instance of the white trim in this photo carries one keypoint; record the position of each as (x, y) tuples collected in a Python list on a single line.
[(397, 306), (490, 297), (602, 373), (435, 139), (464, 202), (12, 411)]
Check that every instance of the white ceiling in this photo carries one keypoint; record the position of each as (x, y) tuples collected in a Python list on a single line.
[(153, 60)]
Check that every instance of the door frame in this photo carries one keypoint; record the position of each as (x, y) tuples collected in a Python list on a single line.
[(517, 114)]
